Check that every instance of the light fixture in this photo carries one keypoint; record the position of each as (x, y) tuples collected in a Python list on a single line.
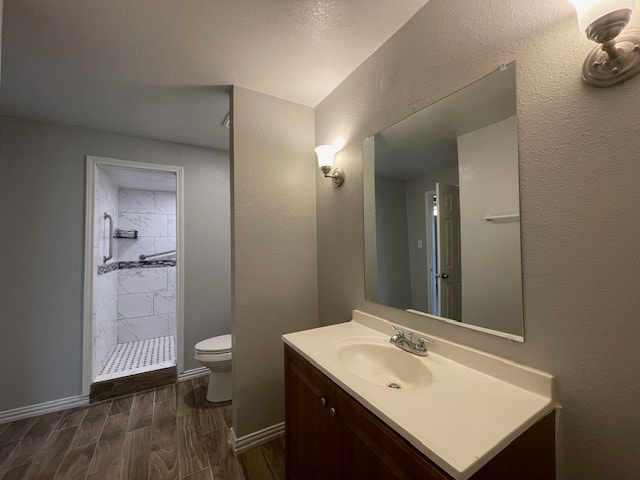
[(618, 57), (326, 155)]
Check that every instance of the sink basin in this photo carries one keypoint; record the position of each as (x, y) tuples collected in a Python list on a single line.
[(384, 365)]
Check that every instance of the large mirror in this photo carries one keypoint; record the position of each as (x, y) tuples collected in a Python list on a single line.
[(442, 210)]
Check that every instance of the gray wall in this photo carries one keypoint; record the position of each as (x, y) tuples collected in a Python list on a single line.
[(394, 287), (275, 284), (42, 217), (579, 206), (1, 10), (491, 266), (417, 225)]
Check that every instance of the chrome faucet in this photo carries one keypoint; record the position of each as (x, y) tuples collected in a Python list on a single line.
[(401, 341)]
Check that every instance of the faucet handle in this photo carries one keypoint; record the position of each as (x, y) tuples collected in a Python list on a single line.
[(398, 335), (399, 332), (421, 344)]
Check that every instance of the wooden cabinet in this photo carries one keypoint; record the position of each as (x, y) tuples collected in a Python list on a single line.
[(330, 435), (311, 450)]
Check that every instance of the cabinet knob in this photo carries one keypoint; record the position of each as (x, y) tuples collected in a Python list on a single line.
[(323, 401), (333, 411)]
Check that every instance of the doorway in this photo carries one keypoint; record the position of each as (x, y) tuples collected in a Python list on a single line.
[(431, 210), (133, 287)]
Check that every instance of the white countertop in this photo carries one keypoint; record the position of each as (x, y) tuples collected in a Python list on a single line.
[(476, 405)]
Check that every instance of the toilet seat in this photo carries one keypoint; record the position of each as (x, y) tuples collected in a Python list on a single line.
[(214, 345), (213, 357)]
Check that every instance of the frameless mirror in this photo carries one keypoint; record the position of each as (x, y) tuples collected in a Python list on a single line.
[(442, 213)]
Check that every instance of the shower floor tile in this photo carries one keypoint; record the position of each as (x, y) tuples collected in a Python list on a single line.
[(138, 357)]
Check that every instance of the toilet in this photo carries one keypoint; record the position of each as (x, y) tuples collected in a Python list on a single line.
[(215, 354)]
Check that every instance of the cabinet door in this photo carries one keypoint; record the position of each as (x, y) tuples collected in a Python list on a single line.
[(310, 429), (339, 439), (371, 450)]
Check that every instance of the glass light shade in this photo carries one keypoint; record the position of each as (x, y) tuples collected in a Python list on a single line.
[(591, 10), (326, 155)]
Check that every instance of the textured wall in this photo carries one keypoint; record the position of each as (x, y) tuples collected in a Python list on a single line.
[(394, 279), (491, 259), (1, 11), (42, 187), (579, 175), (275, 248)]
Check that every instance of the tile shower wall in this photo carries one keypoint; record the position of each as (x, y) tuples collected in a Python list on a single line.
[(146, 296), (105, 287)]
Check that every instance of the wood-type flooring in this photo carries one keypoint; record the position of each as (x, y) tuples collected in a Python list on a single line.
[(170, 433)]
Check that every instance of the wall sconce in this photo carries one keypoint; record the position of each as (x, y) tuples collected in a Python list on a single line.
[(618, 57), (326, 155)]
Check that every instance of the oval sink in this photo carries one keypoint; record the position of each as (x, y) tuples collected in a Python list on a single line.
[(384, 365)]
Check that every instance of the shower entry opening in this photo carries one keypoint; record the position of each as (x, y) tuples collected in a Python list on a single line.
[(133, 294)]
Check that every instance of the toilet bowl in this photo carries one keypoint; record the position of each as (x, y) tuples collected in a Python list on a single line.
[(215, 354)]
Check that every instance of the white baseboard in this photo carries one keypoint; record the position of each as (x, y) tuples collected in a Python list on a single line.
[(193, 373), (255, 439), (42, 408)]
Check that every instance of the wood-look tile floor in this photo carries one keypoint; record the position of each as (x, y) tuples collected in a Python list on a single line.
[(169, 433)]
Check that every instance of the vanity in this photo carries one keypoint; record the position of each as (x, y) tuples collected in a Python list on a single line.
[(441, 218), (358, 407)]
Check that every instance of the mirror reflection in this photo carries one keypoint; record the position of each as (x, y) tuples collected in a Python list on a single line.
[(442, 229)]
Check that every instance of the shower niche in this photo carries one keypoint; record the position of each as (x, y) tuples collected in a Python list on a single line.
[(133, 294)]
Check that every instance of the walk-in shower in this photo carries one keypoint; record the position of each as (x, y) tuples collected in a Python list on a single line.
[(133, 294)]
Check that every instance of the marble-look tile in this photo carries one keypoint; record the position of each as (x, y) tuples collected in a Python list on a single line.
[(107, 203), (171, 226), (96, 246), (106, 318), (164, 302), (165, 202), (172, 323), (147, 224), (99, 328), (100, 357), (106, 192), (105, 332), (113, 283), (101, 247), (111, 309), (135, 305), (103, 321), (130, 249), (100, 292), (106, 200), (171, 278), (136, 201), (105, 289), (165, 244), (140, 280), (133, 329)]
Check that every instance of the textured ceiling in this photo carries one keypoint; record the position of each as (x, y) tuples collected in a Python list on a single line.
[(426, 142), (138, 179), (158, 68)]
